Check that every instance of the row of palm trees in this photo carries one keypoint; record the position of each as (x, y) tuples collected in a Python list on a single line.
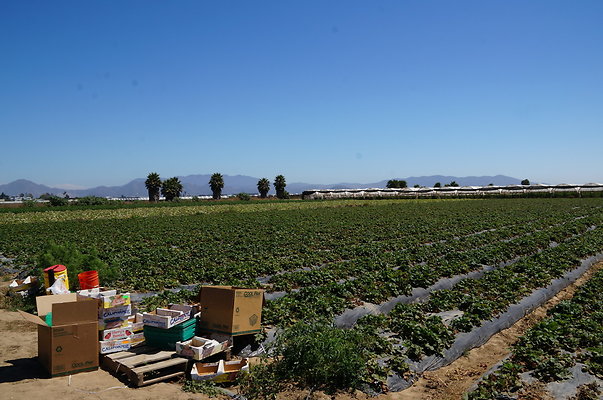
[(172, 187)]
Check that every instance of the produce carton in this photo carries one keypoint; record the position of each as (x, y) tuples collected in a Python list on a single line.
[(136, 321), (68, 342), (19, 285), (199, 348), (93, 293), (231, 310), (137, 338), (222, 371), (114, 312), (122, 322), (113, 346), (107, 298), (192, 309), (164, 318), (116, 334), (114, 300)]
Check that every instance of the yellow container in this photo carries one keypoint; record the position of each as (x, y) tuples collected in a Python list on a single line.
[(51, 274)]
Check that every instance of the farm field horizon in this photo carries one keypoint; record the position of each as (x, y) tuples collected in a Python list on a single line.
[(354, 263)]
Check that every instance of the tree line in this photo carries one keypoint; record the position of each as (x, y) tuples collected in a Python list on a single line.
[(172, 188)]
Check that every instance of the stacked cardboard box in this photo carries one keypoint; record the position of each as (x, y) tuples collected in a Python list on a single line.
[(137, 337), (115, 319)]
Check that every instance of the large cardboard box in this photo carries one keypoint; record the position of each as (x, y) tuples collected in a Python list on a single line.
[(70, 344), (231, 310)]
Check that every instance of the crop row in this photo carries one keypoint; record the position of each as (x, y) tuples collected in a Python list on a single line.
[(237, 246), (413, 331), (571, 334), (432, 254), (387, 277)]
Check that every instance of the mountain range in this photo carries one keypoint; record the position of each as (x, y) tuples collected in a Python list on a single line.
[(233, 184)]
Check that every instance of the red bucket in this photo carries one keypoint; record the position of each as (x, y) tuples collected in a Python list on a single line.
[(88, 280)]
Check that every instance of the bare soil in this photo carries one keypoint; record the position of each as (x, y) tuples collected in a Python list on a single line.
[(21, 377)]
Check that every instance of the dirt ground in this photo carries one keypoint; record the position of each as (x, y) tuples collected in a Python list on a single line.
[(21, 377)]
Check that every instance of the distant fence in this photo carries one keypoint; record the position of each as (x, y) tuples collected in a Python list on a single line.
[(563, 190)]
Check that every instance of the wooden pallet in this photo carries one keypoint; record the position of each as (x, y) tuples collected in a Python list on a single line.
[(145, 365)]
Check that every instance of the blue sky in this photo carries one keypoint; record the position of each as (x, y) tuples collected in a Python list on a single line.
[(101, 92)]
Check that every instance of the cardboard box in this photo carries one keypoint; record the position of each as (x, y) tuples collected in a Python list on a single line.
[(199, 348), (70, 344), (222, 371), (107, 298), (114, 300), (136, 321), (94, 293), (164, 318), (113, 346), (19, 285), (192, 309), (114, 312), (231, 310), (137, 338), (121, 322), (116, 334)]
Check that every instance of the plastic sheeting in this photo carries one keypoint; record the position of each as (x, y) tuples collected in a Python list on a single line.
[(480, 335), (349, 317)]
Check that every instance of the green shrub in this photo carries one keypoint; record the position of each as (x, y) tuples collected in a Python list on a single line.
[(29, 203), (92, 201), (262, 382), (244, 196), (318, 357), (76, 262), (207, 388), (56, 201)]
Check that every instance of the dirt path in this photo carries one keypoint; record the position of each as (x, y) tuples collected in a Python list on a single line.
[(452, 381)]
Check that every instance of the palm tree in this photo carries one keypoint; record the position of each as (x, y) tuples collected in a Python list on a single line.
[(216, 183), (153, 184), (279, 186), (263, 187), (171, 188)]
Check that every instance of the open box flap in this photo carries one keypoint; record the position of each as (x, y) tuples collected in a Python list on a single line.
[(44, 303), (32, 318), (83, 310)]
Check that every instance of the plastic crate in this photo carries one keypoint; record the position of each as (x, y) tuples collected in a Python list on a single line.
[(167, 338)]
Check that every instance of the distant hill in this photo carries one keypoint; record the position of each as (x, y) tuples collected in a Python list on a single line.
[(233, 184)]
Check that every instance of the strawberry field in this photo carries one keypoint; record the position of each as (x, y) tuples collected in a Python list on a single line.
[(411, 276)]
